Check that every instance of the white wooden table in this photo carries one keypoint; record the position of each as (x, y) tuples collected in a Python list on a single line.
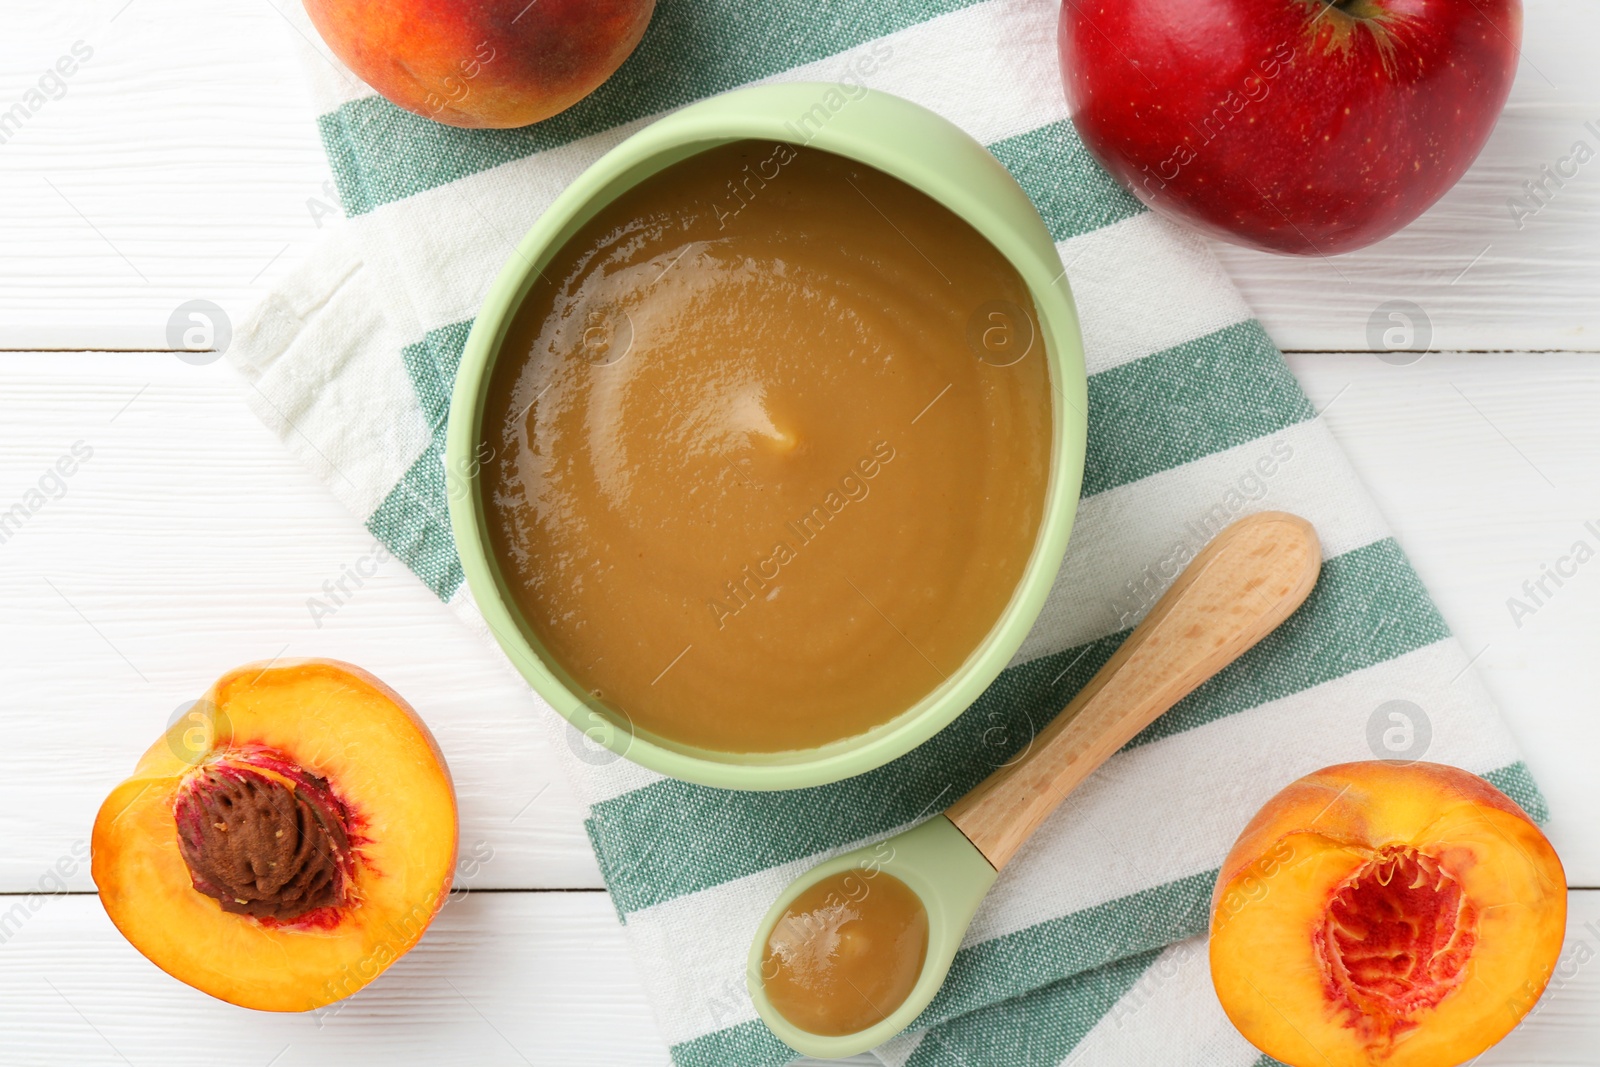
[(182, 163)]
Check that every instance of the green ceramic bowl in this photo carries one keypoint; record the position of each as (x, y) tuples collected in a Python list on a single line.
[(901, 139)]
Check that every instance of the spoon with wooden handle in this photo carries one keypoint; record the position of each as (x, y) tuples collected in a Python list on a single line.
[(1251, 577)]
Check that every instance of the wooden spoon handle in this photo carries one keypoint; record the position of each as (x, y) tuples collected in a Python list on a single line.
[(1248, 580)]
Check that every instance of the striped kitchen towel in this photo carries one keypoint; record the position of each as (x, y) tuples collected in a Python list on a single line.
[(1089, 946)]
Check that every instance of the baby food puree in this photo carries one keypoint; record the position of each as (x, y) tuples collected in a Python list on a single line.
[(847, 953), (769, 443)]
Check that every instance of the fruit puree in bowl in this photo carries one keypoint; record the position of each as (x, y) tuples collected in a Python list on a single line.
[(770, 441)]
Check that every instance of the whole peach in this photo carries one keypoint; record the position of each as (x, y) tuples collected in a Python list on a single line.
[(482, 63)]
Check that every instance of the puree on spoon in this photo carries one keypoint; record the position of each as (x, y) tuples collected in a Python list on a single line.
[(847, 953), (768, 447)]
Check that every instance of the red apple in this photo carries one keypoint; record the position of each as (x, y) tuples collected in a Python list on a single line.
[(497, 63), (1299, 126)]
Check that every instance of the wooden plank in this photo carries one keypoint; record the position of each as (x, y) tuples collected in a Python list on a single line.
[(1480, 280), (181, 162), (1484, 465), (165, 191), (501, 978), (191, 542)]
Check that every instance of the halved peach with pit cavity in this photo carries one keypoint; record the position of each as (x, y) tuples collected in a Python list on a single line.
[(1387, 913), (283, 843)]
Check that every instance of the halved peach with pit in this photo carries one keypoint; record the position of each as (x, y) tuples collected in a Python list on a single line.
[(283, 843), (1372, 913)]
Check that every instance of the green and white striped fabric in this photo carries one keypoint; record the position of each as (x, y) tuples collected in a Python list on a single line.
[(1089, 947)]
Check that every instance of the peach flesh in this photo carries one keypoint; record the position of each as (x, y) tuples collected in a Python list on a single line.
[(1396, 940), (189, 861), (1385, 914)]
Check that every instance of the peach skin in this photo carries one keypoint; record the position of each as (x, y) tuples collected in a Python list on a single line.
[(484, 63)]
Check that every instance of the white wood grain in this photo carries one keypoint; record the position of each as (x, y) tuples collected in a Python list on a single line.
[(190, 542), (183, 163), (185, 160), (1485, 465), (500, 979), (178, 165)]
